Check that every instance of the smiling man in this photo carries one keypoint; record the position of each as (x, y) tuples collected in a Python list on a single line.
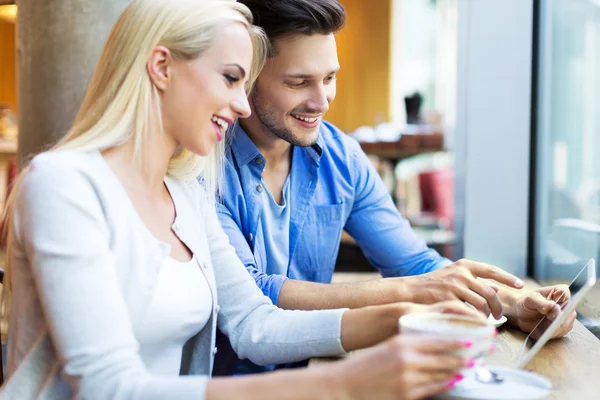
[(293, 181)]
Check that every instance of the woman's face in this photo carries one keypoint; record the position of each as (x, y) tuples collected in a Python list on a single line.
[(202, 97)]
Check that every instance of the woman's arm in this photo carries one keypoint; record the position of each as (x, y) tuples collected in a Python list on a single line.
[(403, 367), (298, 384)]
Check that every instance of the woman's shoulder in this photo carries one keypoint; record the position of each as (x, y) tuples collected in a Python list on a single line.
[(66, 172), (65, 163)]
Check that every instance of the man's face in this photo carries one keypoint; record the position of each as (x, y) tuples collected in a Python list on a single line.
[(295, 88)]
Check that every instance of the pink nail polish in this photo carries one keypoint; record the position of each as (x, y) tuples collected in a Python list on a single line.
[(451, 384), (459, 377), (468, 344), (495, 332), (471, 363)]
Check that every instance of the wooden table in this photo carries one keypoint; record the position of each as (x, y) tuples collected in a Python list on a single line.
[(572, 363)]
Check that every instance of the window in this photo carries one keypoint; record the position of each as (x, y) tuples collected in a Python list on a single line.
[(567, 173)]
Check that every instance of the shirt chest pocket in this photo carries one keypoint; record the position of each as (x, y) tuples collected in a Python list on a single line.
[(319, 242)]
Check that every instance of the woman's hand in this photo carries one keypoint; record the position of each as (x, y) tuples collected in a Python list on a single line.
[(403, 367)]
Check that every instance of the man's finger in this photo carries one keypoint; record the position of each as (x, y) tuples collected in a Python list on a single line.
[(554, 312), (570, 322), (566, 326), (474, 299), (561, 296), (487, 271), (535, 301), (488, 294), (559, 293)]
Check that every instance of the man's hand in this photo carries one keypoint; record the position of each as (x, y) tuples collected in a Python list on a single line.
[(529, 309), (459, 281)]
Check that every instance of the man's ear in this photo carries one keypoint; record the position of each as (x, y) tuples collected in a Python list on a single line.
[(158, 67)]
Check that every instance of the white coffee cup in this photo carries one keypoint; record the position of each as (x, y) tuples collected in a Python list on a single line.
[(477, 335)]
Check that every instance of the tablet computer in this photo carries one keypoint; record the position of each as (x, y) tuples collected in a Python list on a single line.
[(583, 282)]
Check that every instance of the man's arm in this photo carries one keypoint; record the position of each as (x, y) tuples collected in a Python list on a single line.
[(453, 283), (383, 234), (456, 283), (523, 308), (459, 281), (303, 295)]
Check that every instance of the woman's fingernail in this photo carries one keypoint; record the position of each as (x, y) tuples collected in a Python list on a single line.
[(471, 363), (451, 384), (468, 344), (459, 377), (492, 348), (495, 332)]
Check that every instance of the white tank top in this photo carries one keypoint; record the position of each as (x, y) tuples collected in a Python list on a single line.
[(180, 307)]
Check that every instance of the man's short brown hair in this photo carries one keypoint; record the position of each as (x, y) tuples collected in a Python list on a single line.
[(288, 17)]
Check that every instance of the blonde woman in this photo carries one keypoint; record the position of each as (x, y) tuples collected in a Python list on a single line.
[(118, 270)]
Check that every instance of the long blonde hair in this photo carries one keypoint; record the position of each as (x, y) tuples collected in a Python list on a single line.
[(122, 104)]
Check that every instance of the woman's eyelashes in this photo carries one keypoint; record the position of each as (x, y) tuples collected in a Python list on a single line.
[(231, 79)]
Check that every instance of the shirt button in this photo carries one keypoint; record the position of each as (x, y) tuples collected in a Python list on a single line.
[(217, 308), (258, 161), (215, 351), (250, 236), (203, 265), (259, 188)]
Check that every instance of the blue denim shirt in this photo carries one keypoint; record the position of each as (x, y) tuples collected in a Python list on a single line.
[(333, 187)]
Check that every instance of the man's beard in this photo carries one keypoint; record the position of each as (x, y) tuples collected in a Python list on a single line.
[(268, 118)]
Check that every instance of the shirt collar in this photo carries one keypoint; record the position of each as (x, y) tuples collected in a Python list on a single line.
[(316, 150), (242, 146), (245, 150)]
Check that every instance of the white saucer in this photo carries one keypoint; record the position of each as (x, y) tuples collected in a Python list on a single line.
[(497, 322), (517, 385)]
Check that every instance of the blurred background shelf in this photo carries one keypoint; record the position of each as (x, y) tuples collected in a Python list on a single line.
[(407, 146)]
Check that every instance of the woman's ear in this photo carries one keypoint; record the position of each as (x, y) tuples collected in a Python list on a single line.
[(158, 67)]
